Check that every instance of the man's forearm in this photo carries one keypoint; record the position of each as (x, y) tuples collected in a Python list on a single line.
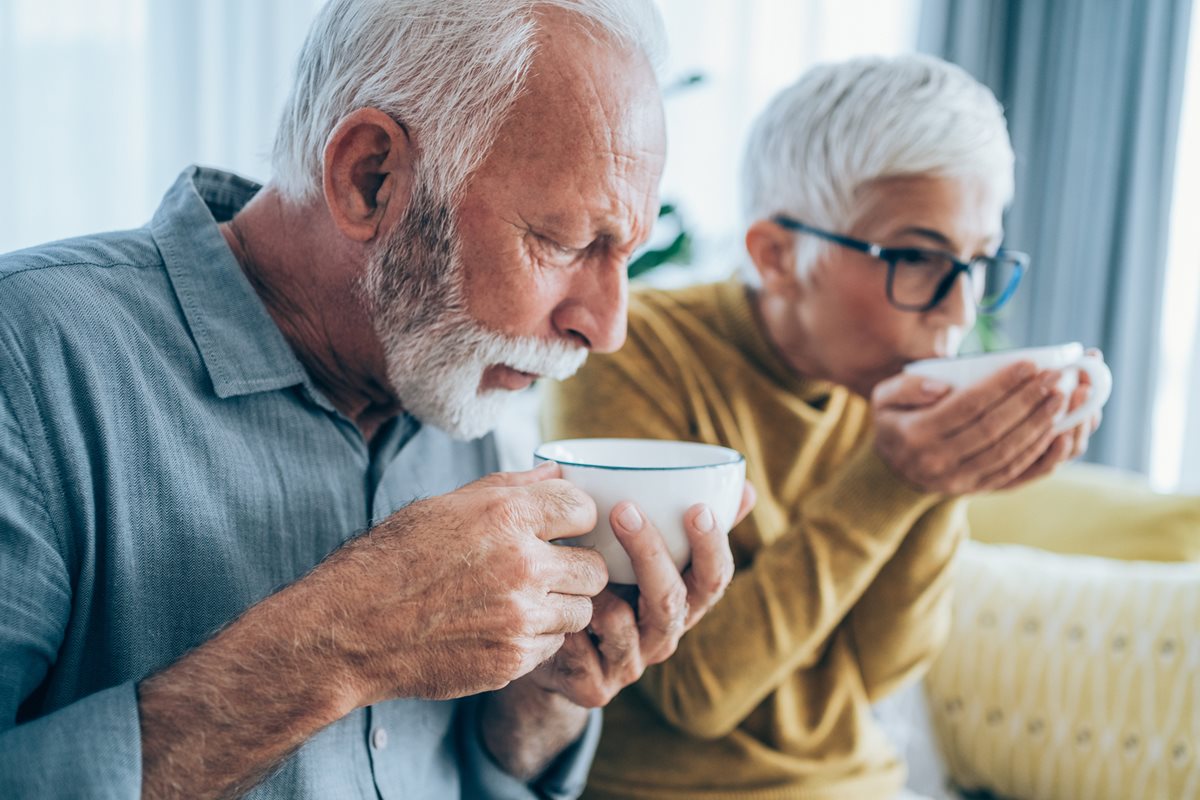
[(525, 727), (220, 719)]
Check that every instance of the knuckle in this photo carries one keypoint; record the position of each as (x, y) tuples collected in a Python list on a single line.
[(593, 695), (959, 485), (508, 660), (991, 428), (525, 567), (1015, 469), (672, 608), (1033, 392), (513, 617), (501, 510), (661, 653), (631, 672), (908, 433), (1009, 453), (974, 407), (597, 574), (503, 478), (715, 586), (558, 497), (930, 464), (579, 614)]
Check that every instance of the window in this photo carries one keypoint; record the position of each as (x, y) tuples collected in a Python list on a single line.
[(748, 50), (1175, 452), (105, 101)]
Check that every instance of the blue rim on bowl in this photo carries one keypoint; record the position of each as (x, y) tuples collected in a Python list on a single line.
[(733, 457)]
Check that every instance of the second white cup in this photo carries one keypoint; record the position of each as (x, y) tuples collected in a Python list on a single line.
[(1071, 358)]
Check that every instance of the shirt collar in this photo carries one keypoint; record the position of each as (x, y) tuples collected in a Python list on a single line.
[(242, 347)]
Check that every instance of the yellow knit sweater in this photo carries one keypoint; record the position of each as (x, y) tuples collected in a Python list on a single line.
[(840, 592)]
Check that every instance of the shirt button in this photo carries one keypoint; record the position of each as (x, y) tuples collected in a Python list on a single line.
[(379, 739)]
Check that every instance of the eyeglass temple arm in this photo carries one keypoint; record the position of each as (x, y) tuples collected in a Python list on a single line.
[(845, 241)]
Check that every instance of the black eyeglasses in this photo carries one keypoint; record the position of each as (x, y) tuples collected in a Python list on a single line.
[(919, 279)]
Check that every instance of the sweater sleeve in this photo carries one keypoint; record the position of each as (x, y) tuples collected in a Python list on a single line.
[(781, 609), (779, 613), (902, 620)]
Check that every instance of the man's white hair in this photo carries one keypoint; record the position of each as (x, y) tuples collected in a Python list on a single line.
[(448, 70), (844, 125)]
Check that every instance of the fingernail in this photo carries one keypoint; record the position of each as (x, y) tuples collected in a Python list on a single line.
[(1026, 370), (705, 521), (930, 386), (1051, 379), (630, 519)]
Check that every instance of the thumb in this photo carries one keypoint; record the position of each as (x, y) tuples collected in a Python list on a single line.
[(908, 391)]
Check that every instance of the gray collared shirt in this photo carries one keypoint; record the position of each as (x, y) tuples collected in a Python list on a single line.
[(166, 462)]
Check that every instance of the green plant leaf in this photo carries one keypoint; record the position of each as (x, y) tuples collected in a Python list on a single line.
[(679, 251)]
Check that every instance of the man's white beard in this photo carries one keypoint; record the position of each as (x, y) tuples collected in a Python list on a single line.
[(436, 353), (437, 374)]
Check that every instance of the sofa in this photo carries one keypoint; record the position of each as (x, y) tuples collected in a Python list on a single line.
[(1072, 669)]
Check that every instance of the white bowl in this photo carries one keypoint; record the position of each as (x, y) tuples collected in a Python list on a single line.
[(663, 478)]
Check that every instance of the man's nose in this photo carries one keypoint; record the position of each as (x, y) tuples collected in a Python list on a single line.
[(594, 311)]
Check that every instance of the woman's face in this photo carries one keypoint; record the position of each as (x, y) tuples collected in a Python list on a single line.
[(833, 320)]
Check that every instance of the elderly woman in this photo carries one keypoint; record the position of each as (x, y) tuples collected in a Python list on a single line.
[(874, 191)]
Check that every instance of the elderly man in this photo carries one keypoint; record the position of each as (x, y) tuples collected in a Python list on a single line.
[(874, 193), (198, 418)]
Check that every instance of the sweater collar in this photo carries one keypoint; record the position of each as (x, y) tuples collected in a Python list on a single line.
[(745, 330)]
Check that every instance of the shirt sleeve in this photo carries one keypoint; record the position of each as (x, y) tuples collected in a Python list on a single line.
[(90, 747), (482, 777)]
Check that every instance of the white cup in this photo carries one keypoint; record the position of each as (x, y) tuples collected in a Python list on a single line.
[(1071, 358), (663, 478)]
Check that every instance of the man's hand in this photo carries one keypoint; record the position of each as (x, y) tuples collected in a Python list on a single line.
[(996, 434), (463, 593), (620, 643), (527, 724), (449, 596)]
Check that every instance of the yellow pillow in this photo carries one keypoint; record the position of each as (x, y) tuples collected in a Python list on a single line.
[(1070, 677), (1091, 510)]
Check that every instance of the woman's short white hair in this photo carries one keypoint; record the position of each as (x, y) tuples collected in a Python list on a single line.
[(448, 70), (844, 125)]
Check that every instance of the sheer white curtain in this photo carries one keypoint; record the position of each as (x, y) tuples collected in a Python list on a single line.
[(748, 50), (102, 102), (1175, 457)]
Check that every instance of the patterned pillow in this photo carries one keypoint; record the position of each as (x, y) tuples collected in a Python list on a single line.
[(1071, 677)]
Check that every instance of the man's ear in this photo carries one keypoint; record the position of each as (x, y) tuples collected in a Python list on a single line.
[(772, 248), (368, 173)]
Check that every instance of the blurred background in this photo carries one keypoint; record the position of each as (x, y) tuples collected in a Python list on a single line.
[(103, 102)]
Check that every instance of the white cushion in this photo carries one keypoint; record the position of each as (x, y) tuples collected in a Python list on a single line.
[(1070, 676)]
